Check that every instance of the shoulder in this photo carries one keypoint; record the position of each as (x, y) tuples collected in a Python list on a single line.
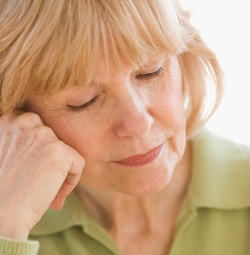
[(221, 153), (221, 171), (222, 146)]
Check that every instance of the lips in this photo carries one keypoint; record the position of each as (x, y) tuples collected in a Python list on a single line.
[(140, 160)]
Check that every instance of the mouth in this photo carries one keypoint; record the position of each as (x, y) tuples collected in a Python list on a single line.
[(141, 159)]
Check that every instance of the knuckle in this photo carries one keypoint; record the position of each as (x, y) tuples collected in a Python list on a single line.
[(56, 150), (59, 155), (23, 125), (42, 133), (6, 118), (28, 120), (65, 156), (20, 121), (40, 139)]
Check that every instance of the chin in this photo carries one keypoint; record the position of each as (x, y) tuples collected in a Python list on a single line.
[(148, 185), (139, 182)]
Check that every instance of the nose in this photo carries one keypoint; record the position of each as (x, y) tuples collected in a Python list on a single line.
[(134, 118)]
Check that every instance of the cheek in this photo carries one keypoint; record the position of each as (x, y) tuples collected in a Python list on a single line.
[(170, 99), (169, 109), (74, 133), (86, 143), (172, 115)]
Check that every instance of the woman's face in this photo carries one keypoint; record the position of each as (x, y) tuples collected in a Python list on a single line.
[(129, 125)]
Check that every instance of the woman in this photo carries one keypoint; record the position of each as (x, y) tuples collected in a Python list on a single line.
[(103, 104)]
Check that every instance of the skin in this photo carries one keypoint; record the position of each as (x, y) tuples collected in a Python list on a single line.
[(134, 110), (30, 152), (130, 116)]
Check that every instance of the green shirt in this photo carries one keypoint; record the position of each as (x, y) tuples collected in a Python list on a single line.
[(215, 219)]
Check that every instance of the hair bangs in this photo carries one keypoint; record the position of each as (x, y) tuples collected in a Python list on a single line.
[(95, 31), (59, 44), (137, 30), (114, 32)]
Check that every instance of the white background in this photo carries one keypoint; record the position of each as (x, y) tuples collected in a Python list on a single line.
[(225, 26)]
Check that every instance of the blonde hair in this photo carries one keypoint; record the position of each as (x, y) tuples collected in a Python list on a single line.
[(49, 45)]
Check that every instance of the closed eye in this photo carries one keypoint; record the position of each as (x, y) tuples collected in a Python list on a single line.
[(149, 76), (84, 107)]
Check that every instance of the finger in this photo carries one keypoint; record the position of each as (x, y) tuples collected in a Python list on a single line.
[(57, 203), (67, 187), (70, 182)]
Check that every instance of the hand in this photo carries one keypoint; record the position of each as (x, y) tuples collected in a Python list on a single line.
[(37, 170)]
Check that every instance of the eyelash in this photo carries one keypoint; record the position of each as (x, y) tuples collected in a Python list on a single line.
[(85, 107), (149, 76)]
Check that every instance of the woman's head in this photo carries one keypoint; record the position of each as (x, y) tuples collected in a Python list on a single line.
[(46, 46)]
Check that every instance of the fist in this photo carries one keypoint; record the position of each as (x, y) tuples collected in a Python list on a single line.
[(37, 170)]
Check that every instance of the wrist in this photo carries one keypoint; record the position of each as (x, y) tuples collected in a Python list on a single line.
[(14, 233), (12, 230)]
